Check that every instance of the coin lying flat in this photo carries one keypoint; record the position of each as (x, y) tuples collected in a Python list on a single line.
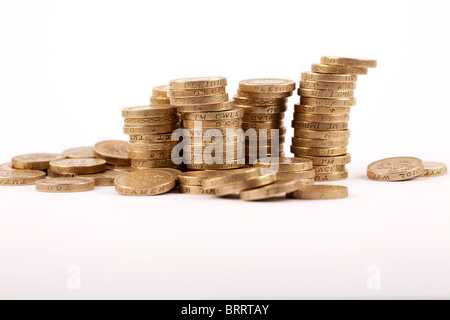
[(223, 106), (78, 166), (433, 169), (267, 85), (272, 190), (105, 178), (197, 83), (80, 152), (113, 151), (334, 176), (65, 185), (314, 76), (20, 177), (195, 190), (203, 92), (300, 175), (195, 178), (148, 111), (146, 182), (35, 161), (160, 91), (286, 163), (262, 95), (328, 161), (395, 169), (323, 102), (318, 192), (327, 85), (350, 62), (245, 184), (325, 68), (314, 134), (218, 115), (230, 177)]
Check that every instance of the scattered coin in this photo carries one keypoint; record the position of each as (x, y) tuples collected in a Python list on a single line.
[(433, 169), (115, 152), (395, 169), (105, 178), (80, 152), (78, 166), (319, 192), (65, 185), (35, 161), (231, 177), (20, 177), (245, 184), (272, 190)]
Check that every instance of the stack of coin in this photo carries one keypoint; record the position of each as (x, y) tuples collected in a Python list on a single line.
[(264, 102), (150, 129), (213, 135), (286, 168), (321, 119)]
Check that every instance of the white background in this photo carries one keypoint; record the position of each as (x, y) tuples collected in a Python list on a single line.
[(69, 67)]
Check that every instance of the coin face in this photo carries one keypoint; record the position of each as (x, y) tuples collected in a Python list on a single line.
[(395, 169), (269, 85), (35, 161), (320, 192), (78, 166), (80, 152), (145, 182), (65, 185), (113, 151), (20, 177), (434, 169)]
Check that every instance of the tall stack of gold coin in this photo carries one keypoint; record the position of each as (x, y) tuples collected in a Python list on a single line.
[(203, 104), (321, 119), (150, 129), (264, 102)]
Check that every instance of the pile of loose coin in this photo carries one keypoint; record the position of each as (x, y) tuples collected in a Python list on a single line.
[(211, 124), (264, 102), (321, 119), (150, 130)]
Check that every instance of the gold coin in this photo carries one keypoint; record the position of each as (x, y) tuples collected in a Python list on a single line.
[(212, 123), (219, 115), (330, 161), (104, 179), (52, 174), (199, 100), (267, 85), (234, 164), (322, 102), (151, 146), (286, 164), (160, 91), (78, 166), (336, 176), (263, 95), (245, 184), (434, 169), (148, 111), (266, 133), (223, 106), (318, 152), (299, 175), (197, 83), (230, 177), (135, 130), (206, 140), (313, 76), (34, 161), (6, 166), (195, 178), (263, 117), (321, 110), (175, 171), (325, 68), (65, 185), (395, 169), (327, 85), (262, 125), (319, 125), (260, 102), (162, 102), (329, 169), (319, 192), (262, 110), (272, 190), (113, 151), (331, 94), (119, 168), (350, 62), (150, 155), (155, 163), (80, 152), (152, 138), (153, 121), (207, 133), (319, 143), (196, 190), (145, 182), (20, 177), (312, 134), (321, 117), (203, 92)]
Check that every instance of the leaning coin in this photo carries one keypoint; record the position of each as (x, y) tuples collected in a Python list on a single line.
[(232, 177), (80, 152), (20, 177), (113, 151), (245, 184), (272, 190), (319, 192), (35, 161), (395, 169), (78, 166), (433, 169), (65, 185), (147, 182), (286, 163)]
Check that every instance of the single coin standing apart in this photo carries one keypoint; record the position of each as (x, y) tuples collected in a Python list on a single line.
[(79, 152), (433, 169), (272, 190), (113, 151), (78, 166), (318, 192), (65, 185), (395, 169), (147, 182), (20, 177), (35, 161)]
